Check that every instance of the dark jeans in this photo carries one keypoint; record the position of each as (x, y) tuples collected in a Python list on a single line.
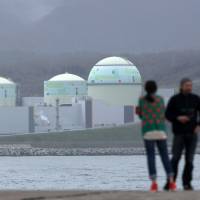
[(151, 159), (189, 143)]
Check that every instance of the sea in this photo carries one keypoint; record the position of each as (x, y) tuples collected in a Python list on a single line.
[(83, 173)]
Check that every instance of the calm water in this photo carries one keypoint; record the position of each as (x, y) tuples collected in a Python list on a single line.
[(97, 172)]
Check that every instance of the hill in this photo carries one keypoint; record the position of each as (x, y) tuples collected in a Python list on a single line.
[(30, 69)]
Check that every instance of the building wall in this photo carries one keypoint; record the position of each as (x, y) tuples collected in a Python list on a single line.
[(8, 95), (88, 113), (84, 114), (116, 94), (14, 120), (63, 99), (128, 114), (106, 115), (70, 117), (33, 101), (65, 91)]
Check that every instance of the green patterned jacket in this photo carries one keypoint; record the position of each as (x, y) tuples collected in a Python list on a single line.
[(152, 114)]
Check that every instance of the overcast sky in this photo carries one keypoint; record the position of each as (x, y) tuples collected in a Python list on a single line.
[(100, 25), (29, 9)]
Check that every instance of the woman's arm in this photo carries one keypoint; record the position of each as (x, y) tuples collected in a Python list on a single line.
[(139, 109)]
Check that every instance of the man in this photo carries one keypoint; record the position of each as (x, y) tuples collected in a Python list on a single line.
[(183, 111)]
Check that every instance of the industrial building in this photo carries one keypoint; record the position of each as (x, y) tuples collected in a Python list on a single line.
[(8, 92), (107, 99), (116, 81), (62, 88)]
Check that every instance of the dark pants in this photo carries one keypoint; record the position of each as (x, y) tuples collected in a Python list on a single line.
[(189, 143), (151, 159)]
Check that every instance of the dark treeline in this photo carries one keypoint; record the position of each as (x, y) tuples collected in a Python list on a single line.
[(31, 69)]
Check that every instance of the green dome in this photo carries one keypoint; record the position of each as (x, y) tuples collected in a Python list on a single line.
[(114, 70)]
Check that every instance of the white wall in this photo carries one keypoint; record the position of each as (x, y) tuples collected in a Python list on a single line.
[(106, 115), (14, 120), (8, 94), (116, 94), (33, 101), (70, 117)]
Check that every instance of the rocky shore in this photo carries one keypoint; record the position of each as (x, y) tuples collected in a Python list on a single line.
[(28, 150)]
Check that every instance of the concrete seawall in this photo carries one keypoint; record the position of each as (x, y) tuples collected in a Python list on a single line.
[(122, 140), (120, 136)]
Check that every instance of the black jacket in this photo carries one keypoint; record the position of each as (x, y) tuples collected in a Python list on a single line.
[(188, 105)]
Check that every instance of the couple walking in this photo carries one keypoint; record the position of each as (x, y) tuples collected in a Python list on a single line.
[(183, 111)]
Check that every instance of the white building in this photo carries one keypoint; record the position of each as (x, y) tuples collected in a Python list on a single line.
[(116, 81), (63, 88), (108, 99), (32, 101), (8, 92)]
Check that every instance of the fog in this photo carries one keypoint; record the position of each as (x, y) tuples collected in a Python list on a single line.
[(133, 26), (42, 38)]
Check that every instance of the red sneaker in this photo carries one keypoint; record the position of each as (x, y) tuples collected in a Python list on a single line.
[(154, 187), (172, 186)]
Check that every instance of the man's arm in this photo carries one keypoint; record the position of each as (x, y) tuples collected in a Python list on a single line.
[(198, 112), (197, 130), (170, 112)]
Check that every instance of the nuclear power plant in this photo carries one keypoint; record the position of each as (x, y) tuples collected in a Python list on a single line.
[(8, 92), (115, 81), (63, 88), (107, 99)]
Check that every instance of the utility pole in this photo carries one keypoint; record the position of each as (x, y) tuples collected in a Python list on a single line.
[(76, 100), (58, 126)]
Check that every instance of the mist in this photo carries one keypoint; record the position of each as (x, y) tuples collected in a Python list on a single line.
[(131, 26), (41, 38)]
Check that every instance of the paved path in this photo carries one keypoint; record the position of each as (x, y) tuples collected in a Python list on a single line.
[(97, 195)]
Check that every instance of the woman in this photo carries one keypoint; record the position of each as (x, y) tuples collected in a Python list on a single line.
[(151, 111)]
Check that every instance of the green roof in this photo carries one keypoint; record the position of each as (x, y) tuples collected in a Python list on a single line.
[(114, 75)]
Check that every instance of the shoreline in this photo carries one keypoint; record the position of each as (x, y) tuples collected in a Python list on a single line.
[(96, 151), (28, 150)]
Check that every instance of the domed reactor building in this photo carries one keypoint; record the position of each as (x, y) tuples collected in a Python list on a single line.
[(63, 88), (8, 92), (116, 81)]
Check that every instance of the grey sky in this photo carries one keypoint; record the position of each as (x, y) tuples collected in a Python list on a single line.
[(100, 25), (27, 10)]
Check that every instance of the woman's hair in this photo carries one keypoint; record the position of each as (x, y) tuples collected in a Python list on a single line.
[(151, 89)]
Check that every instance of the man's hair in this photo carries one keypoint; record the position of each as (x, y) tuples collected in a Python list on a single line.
[(185, 80)]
